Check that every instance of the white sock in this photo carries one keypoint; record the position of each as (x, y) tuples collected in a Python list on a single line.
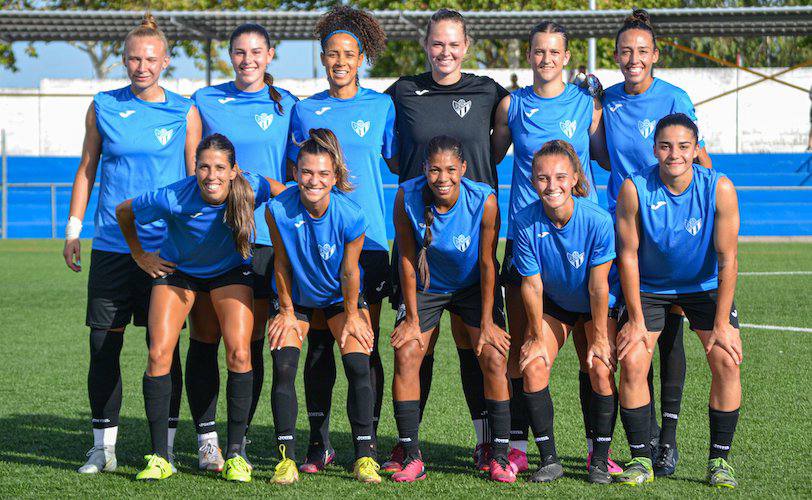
[(105, 437), (481, 430), (209, 436), (519, 445), (170, 438), (589, 445)]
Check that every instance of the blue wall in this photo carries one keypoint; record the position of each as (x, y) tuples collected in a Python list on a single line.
[(774, 212)]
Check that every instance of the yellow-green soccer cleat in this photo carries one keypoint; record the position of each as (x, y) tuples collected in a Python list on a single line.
[(636, 472), (285, 471), (366, 470), (236, 468), (720, 474), (157, 468)]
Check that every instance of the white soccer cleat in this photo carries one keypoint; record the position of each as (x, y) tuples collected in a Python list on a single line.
[(100, 459), (210, 458)]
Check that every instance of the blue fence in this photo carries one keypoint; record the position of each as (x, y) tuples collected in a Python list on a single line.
[(775, 193)]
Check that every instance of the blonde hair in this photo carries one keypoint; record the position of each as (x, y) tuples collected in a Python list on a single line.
[(324, 141), (147, 28), (564, 148)]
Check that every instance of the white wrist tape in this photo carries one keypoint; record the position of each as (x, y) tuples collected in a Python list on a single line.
[(74, 228)]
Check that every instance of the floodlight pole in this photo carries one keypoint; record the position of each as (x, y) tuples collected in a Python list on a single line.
[(5, 182), (591, 44), (208, 62)]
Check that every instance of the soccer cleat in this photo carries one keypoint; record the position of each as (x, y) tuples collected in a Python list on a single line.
[(482, 457), (721, 474), (636, 472), (395, 462), (613, 468), (366, 470), (599, 473), (157, 468), (318, 463), (209, 457), (236, 468), (666, 462), (518, 460), (549, 470), (501, 472), (100, 459), (285, 471), (413, 470)]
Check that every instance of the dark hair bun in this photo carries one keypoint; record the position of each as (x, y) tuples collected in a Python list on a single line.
[(639, 15)]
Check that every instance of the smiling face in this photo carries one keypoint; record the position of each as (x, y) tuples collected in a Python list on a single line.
[(250, 56), (214, 174), (342, 59), (636, 55), (446, 46), (554, 178), (316, 176), (675, 148), (145, 58), (444, 171), (548, 56)]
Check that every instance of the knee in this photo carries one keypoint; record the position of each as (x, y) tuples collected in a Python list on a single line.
[(239, 359), (537, 372), (601, 379), (722, 364), (634, 368), (408, 359), (493, 364), (160, 358), (356, 366)]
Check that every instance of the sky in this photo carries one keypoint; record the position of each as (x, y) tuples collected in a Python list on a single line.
[(60, 60)]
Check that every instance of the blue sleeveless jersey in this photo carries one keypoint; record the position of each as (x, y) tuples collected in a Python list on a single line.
[(564, 256), (676, 253), (143, 146), (365, 128), (259, 132), (315, 247), (630, 120), (453, 256), (198, 239), (534, 120)]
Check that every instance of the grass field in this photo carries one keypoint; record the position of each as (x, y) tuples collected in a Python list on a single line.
[(44, 415)]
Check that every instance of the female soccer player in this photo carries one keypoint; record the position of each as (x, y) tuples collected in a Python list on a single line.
[(455, 223), (564, 246), (677, 226), (447, 101), (363, 121), (144, 137), (210, 226), (548, 110), (255, 116), (318, 234), (633, 108)]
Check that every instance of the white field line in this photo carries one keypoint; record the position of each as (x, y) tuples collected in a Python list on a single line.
[(777, 328), (776, 273)]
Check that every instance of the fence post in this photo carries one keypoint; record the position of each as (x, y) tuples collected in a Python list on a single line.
[(4, 205), (53, 211)]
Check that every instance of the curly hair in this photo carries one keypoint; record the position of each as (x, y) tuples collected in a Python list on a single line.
[(358, 22)]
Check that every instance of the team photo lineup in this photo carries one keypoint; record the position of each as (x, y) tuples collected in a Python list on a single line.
[(257, 220)]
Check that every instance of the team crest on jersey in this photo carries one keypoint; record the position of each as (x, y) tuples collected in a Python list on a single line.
[(576, 258), (164, 135), (264, 120), (646, 127), (462, 242), (461, 106), (327, 250), (360, 127), (693, 225), (568, 127)]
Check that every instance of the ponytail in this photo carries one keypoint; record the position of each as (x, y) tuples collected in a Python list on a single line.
[(422, 258), (239, 214), (257, 29), (564, 148), (323, 141)]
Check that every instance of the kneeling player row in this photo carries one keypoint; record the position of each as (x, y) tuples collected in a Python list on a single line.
[(678, 216)]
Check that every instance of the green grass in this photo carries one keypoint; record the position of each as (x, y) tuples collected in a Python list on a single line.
[(44, 415)]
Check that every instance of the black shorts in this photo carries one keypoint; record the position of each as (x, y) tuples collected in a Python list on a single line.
[(262, 265), (306, 313), (509, 275), (551, 308), (377, 275), (699, 307), (240, 275), (117, 291), (466, 303)]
